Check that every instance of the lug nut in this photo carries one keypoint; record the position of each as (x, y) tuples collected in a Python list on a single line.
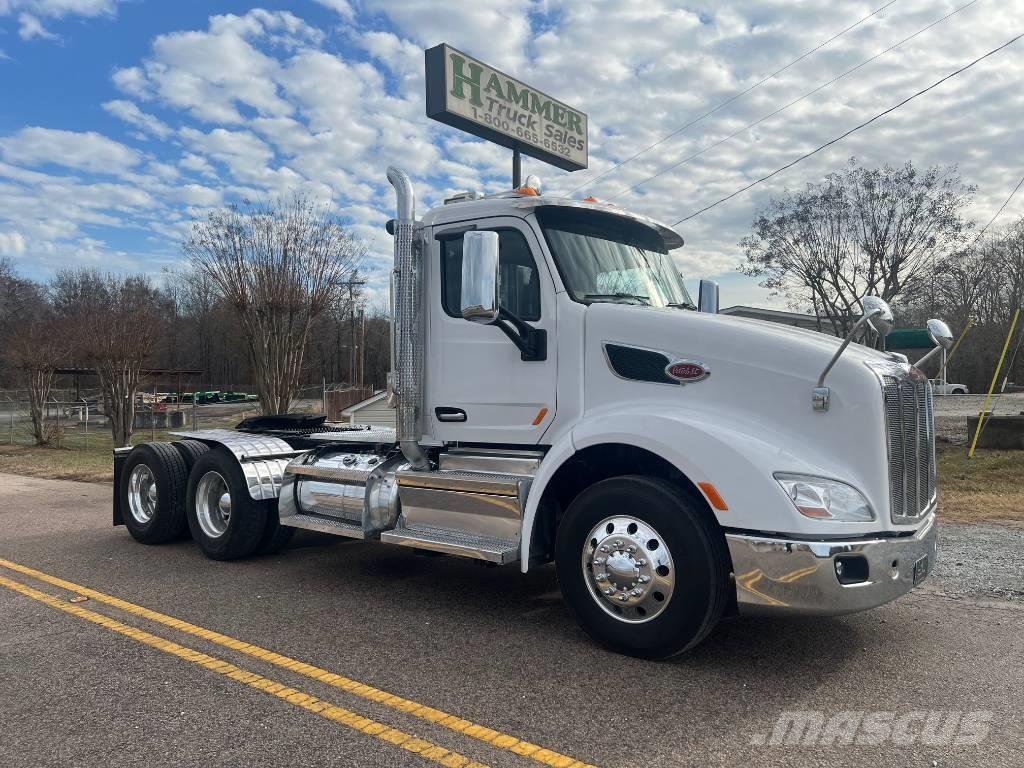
[(644, 579), (604, 548), (609, 591), (600, 577), (641, 562), (631, 549), (623, 597), (618, 543), (599, 560)]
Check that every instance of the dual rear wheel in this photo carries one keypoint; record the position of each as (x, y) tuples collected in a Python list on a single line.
[(170, 489)]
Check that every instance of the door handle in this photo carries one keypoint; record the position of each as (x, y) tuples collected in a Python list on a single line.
[(444, 413)]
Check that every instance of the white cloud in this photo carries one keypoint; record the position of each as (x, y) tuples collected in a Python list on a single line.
[(130, 113), (29, 27), (197, 164), (197, 194), (12, 244), (57, 9), (261, 102), (30, 14), (340, 7), (88, 151), (132, 80)]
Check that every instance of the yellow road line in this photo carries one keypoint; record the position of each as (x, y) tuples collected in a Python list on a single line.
[(490, 736), (305, 701)]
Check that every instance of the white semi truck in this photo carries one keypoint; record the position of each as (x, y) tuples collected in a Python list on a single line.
[(561, 398)]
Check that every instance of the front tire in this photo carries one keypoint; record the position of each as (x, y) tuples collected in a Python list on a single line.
[(641, 567), (225, 520)]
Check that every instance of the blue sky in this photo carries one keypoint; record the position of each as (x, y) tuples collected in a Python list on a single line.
[(122, 121)]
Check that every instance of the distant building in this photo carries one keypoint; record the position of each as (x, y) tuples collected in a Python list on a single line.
[(373, 410), (795, 319)]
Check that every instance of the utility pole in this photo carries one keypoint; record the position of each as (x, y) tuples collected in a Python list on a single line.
[(352, 329)]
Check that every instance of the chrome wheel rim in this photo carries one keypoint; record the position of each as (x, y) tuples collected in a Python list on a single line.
[(628, 569), (213, 504), (142, 494)]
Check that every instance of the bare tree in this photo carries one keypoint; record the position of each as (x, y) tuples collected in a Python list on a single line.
[(35, 346), (114, 322), (280, 266), (863, 231)]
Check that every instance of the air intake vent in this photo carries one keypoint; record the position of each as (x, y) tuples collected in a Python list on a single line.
[(639, 364)]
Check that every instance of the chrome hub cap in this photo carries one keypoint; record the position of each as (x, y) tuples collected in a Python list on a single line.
[(628, 569), (213, 504), (142, 494)]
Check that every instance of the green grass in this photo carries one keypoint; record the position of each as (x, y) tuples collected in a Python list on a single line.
[(989, 487)]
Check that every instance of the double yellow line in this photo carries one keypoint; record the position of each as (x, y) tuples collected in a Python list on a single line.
[(300, 699)]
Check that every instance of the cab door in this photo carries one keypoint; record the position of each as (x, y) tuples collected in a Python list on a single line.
[(479, 389)]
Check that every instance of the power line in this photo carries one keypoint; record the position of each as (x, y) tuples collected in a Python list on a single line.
[(729, 101), (853, 130), (1006, 202), (821, 87)]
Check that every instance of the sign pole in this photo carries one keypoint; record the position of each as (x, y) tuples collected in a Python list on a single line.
[(517, 168)]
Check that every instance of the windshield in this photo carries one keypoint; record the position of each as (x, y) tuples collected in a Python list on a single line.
[(612, 259)]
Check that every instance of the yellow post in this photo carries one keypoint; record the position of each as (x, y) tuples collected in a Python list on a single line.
[(992, 386), (956, 346)]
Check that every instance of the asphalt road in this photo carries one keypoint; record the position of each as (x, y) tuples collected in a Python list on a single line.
[(106, 683)]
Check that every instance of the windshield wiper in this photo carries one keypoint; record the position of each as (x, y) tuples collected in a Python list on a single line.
[(683, 305), (607, 296)]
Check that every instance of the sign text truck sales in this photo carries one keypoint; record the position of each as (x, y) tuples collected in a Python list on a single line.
[(468, 94)]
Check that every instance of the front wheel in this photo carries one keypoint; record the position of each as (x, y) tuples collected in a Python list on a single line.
[(641, 567)]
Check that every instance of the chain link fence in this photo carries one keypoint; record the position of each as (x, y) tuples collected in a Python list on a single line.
[(75, 420)]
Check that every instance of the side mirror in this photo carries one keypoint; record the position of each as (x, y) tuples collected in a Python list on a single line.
[(939, 333), (480, 277), (878, 314), (707, 297)]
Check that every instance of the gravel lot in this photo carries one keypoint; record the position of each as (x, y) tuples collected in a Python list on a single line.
[(953, 412), (979, 561)]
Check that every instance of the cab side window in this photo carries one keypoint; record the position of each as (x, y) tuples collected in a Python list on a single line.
[(518, 279)]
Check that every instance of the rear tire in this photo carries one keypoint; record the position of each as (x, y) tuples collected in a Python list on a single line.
[(225, 520), (191, 450), (666, 566), (275, 536), (152, 493)]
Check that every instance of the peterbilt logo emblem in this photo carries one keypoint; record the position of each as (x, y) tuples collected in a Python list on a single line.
[(687, 371)]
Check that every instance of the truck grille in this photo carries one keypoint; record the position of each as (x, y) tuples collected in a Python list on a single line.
[(910, 432)]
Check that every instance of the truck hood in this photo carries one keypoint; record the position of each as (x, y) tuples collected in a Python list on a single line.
[(757, 398), (792, 351)]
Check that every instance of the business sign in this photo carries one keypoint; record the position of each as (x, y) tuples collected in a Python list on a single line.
[(467, 94)]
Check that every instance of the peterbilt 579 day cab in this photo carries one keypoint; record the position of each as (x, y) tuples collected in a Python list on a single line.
[(560, 398)]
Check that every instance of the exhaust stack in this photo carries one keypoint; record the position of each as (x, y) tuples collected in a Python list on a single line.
[(406, 377)]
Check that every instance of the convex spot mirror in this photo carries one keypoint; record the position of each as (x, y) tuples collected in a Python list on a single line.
[(879, 315), (480, 277), (939, 333)]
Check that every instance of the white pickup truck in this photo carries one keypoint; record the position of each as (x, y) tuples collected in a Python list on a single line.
[(945, 388), (560, 397)]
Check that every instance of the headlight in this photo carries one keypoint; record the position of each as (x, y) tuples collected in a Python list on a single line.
[(823, 499)]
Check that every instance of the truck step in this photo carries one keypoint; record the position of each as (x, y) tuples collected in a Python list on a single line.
[(487, 548), (324, 524), (461, 481)]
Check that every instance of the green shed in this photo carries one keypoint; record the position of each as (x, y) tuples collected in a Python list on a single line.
[(908, 338)]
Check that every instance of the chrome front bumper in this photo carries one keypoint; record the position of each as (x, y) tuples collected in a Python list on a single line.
[(780, 576)]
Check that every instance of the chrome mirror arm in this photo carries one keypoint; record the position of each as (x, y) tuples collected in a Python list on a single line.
[(928, 356), (820, 396)]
